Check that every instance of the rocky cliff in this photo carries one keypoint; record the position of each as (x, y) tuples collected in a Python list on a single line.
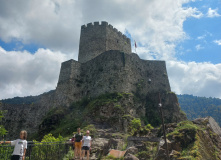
[(199, 139)]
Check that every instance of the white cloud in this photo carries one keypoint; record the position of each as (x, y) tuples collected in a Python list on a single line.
[(204, 36), (213, 13), (217, 42), (156, 25), (201, 37), (198, 47), (55, 24), (201, 79), (24, 74)]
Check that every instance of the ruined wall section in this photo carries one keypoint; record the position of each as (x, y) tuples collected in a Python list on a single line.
[(97, 38), (68, 88)]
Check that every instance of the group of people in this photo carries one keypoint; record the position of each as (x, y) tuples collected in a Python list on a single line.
[(81, 144)]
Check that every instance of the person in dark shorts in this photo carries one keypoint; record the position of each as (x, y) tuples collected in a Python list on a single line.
[(86, 145), (20, 146), (78, 143)]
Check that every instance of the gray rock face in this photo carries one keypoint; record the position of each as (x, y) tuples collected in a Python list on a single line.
[(210, 123), (99, 146), (26, 116), (130, 157), (215, 127), (131, 150), (204, 131)]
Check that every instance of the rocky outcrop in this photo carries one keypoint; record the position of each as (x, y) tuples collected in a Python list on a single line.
[(130, 157), (99, 147), (194, 140), (27, 116), (210, 123), (114, 110), (170, 108)]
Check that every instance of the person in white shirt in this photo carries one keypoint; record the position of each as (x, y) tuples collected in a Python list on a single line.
[(86, 144), (20, 146)]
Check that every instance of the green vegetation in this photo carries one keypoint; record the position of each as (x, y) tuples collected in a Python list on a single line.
[(184, 125), (149, 152), (41, 150), (194, 141), (152, 115), (135, 128), (2, 128), (69, 155), (110, 157), (196, 107), (50, 138), (21, 100), (6, 151), (66, 120)]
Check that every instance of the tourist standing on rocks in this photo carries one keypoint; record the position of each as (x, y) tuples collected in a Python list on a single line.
[(78, 143), (86, 144), (20, 146)]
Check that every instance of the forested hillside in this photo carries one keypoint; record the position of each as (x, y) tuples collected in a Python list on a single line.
[(196, 107), (21, 100)]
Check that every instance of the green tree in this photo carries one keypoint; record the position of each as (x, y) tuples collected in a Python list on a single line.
[(3, 131)]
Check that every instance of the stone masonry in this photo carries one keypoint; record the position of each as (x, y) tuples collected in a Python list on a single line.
[(105, 65), (97, 38)]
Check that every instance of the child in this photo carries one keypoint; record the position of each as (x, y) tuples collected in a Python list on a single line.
[(20, 146), (86, 144), (78, 143)]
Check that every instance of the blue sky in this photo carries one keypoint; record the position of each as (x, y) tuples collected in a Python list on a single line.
[(16, 45), (35, 38), (202, 32)]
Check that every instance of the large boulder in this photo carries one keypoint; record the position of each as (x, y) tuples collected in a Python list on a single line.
[(99, 147), (130, 157), (131, 150)]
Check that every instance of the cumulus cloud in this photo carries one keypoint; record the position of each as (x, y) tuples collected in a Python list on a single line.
[(156, 25), (201, 79), (213, 13), (217, 42), (24, 74), (55, 24)]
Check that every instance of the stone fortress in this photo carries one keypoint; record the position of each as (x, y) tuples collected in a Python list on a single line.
[(106, 64)]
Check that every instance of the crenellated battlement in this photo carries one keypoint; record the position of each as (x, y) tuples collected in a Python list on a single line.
[(97, 38), (104, 24)]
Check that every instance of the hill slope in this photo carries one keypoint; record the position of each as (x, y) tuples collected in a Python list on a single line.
[(196, 107)]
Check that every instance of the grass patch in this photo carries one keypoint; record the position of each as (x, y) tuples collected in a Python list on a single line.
[(184, 125)]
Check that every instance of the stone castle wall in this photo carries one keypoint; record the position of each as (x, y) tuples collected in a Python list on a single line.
[(112, 71), (105, 65), (97, 38)]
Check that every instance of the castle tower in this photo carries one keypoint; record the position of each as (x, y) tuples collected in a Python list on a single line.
[(97, 38)]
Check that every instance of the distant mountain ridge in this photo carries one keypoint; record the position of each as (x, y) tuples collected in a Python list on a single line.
[(196, 107), (21, 100)]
